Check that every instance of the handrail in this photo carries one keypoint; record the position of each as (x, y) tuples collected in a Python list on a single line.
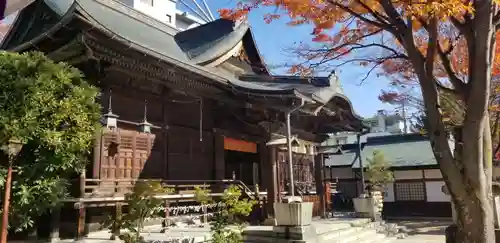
[(249, 193)]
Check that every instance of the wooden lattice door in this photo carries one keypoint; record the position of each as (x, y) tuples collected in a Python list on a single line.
[(124, 154)]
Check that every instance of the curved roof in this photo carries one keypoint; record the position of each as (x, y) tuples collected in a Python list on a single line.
[(213, 44), (187, 49), (198, 45)]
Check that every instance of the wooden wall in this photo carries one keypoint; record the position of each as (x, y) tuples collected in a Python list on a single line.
[(178, 148)]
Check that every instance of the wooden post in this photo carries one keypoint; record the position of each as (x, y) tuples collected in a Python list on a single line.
[(258, 207), (80, 231), (115, 232), (205, 216), (220, 163), (98, 151), (320, 186), (54, 225), (165, 142), (328, 197), (6, 203), (166, 215), (270, 180)]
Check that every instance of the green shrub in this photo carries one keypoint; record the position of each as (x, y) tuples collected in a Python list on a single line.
[(234, 208)]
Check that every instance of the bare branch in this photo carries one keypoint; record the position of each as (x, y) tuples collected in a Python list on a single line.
[(445, 60), (381, 25), (394, 17), (380, 17)]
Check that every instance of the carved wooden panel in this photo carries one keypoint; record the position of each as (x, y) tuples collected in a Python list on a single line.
[(124, 153)]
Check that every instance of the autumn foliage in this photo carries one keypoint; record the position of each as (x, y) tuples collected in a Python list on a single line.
[(357, 28)]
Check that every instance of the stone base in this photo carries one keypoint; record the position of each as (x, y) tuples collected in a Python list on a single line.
[(269, 222), (305, 233)]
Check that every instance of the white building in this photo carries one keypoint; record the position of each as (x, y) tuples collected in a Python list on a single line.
[(416, 190), (382, 124), (166, 11)]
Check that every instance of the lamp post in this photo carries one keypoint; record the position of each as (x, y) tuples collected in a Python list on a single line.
[(12, 149), (289, 144)]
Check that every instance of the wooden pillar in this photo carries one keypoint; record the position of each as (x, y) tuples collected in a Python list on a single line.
[(98, 151), (269, 177), (80, 231), (279, 164), (320, 183), (54, 225), (219, 160), (165, 142)]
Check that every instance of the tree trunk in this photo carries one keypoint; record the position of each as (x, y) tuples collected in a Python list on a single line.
[(466, 171), (469, 182), (473, 201), (475, 220)]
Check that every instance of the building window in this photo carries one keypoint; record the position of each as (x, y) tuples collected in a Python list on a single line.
[(409, 191), (148, 2)]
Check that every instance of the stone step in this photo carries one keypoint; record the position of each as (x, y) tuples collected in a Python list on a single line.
[(357, 236), (390, 239), (373, 238), (331, 227), (360, 222), (338, 234), (364, 234)]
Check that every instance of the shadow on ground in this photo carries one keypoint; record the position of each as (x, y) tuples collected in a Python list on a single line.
[(424, 227)]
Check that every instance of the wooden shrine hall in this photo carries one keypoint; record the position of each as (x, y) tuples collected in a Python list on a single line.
[(191, 107)]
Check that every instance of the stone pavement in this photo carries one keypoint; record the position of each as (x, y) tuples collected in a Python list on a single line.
[(152, 234), (420, 231)]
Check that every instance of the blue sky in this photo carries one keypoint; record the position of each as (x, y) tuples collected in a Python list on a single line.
[(272, 38)]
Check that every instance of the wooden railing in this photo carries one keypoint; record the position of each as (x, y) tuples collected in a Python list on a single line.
[(99, 188), (109, 188)]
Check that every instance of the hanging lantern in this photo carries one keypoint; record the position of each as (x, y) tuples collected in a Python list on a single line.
[(145, 126), (109, 119), (312, 150)]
